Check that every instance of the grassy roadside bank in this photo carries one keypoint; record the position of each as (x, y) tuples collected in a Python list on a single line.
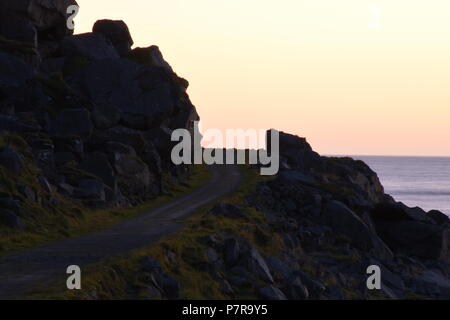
[(180, 255), (58, 223)]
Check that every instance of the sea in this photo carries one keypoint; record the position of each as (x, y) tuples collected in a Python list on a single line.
[(415, 181)]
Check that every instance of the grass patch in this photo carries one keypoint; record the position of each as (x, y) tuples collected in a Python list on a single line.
[(17, 47), (181, 254), (48, 222)]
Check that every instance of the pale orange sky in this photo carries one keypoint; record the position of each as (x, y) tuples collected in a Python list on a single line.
[(352, 76)]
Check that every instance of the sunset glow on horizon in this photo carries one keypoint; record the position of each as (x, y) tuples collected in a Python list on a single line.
[(355, 77)]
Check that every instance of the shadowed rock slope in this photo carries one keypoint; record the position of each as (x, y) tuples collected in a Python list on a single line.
[(84, 119), (85, 122), (311, 232)]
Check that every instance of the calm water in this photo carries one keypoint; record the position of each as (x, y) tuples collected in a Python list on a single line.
[(415, 181)]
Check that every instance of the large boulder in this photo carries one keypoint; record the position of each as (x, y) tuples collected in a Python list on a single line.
[(136, 139), (116, 31), (135, 179), (145, 95), (400, 212), (343, 220), (423, 240), (231, 251), (295, 177), (152, 158), (356, 176), (90, 189), (12, 124), (106, 116), (315, 288), (170, 287), (271, 293), (30, 96), (49, 17), (11, 160), (11, 220), (13, 71), (439, 217), (296, 152), (127, 136), (296, 290), (151, 57), (69, 145), (389, 279), (114, 147), (45, 184), (278, 268), (72, 122), (15, 28), (161, 138), (91, 45), (255, 263), (15, 206), (431, 282), (97, 163)]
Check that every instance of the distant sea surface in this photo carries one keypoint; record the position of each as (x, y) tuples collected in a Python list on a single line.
[(415, 181)]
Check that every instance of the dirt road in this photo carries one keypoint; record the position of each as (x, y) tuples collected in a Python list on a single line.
[(21, 271)]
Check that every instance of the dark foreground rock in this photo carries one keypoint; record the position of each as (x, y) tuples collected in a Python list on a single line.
[(82, 112), (86, 121)]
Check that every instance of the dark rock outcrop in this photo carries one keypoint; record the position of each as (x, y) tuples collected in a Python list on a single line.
[(271, 293), (88, 106), (90, 45), (10, 160), (419, 239), (10, 219), (72, 122), (117, 32), (87, 120), (13, 71)]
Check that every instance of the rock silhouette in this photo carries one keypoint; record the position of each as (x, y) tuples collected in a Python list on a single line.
[(87, 119)]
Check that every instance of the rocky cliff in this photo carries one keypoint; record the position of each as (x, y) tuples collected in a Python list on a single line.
[(311, 232), (85, 122), (82, 117), (335, 212)]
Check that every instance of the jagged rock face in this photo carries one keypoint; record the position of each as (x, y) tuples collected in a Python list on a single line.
[(17, 28), (321, 200), (73, 122), (10, 160), (117, 32), (419, 239), (135, 177), (151, 57), (13, 71), (106, 116), (49, 17), (296, 153), (90, 45), (145, 95), (86, 112), (34, 26), (345, 221), (357, 173), (11, 124), (10, 219), (412, 231), (356, 182)]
